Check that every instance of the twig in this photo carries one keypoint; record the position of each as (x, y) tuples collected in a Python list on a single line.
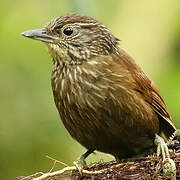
[(66, 169), (55, 161), (31, 176)]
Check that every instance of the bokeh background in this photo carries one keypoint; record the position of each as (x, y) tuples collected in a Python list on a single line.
[(30, 127)]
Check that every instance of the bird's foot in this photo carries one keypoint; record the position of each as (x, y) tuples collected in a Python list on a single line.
[(80, 162), (169, 166)]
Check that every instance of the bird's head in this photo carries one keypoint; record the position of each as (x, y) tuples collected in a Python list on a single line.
[(75, 38)]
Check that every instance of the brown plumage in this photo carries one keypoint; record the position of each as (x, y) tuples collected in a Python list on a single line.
[(104, 99)]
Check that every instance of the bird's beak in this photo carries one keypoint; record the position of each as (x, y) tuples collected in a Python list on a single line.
[(39, 34)]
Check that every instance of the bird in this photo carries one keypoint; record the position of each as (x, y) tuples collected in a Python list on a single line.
[(105, 100)]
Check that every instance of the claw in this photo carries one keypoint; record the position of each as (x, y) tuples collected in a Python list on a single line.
[(168, 164), (78, 166), (80, 162)]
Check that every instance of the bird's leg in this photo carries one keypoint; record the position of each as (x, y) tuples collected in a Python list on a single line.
[(169, 164), (80, 162)]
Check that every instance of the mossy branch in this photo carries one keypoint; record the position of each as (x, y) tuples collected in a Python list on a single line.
[(135, 168)]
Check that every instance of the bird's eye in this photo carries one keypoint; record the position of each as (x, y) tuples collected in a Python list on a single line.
[(68, 31)]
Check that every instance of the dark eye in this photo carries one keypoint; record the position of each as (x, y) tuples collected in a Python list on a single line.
[(68, 31)]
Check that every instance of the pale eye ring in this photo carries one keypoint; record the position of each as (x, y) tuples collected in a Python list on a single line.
[(68, 31)]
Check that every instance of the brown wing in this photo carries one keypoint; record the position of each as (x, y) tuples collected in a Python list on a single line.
[(150, 94)]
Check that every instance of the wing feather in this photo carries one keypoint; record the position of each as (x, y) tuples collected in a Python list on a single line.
[(150, 93)]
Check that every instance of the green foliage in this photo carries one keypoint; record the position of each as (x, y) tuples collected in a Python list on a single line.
[(29, 123)]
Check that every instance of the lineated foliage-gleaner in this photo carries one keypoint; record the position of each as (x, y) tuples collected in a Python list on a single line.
[(105, 100)]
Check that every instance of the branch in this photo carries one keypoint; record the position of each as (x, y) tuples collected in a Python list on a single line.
[(134, 168)]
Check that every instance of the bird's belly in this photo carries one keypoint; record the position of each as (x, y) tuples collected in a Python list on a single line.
[(106, 131), (121, 124)]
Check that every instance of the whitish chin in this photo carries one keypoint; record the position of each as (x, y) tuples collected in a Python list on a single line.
[(57, 52)]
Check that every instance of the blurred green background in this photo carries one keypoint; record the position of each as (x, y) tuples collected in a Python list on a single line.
[(30, 127)]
